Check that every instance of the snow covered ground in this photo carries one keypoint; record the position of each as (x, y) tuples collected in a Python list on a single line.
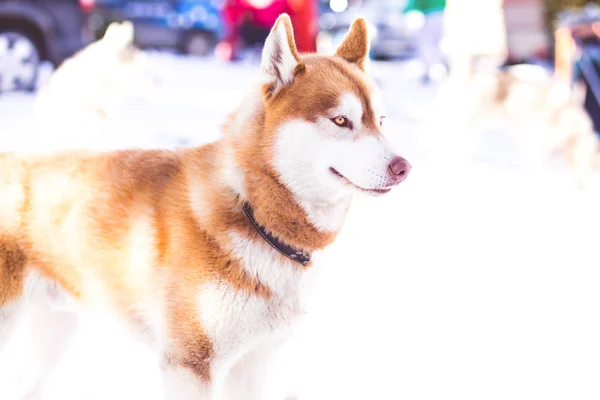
[(472, 280)]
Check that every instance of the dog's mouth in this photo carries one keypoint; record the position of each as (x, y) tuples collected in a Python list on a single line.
[(377, 191)]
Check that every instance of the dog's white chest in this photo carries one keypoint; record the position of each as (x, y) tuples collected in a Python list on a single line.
[(236, 320)]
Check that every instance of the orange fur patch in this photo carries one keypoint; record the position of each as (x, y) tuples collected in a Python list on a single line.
[(355, 46)]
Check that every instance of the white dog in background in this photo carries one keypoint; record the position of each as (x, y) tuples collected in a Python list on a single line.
[(74, 109)]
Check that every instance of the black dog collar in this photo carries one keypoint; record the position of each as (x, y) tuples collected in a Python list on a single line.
[(289, 251)]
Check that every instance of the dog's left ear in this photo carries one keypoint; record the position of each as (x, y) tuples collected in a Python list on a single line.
[(355, 46), (280, 58)]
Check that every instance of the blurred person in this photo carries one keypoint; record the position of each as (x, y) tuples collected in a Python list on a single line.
[(430, 35), (565, 50), (584, 53), (304, 15), (248, 22)]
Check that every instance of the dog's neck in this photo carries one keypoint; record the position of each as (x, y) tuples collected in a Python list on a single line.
[(298, 255), (292, 220)]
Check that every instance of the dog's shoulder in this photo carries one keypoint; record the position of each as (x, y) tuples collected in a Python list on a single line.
[(141, 168)]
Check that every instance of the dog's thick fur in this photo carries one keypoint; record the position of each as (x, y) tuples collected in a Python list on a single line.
[(158, 240), (76, 107)]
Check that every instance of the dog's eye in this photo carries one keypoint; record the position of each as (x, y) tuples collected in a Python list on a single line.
[(341, 121), (381, 120)]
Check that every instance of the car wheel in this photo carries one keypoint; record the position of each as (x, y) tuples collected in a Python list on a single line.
[(199, 43), (19, 61)]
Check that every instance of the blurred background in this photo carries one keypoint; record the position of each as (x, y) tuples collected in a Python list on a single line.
[(476, 279)]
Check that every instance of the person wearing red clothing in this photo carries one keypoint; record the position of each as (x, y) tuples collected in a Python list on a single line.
[(304, 17), (248, 22)]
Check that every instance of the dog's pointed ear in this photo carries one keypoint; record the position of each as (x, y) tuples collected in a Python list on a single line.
[(127, 31), (119, 34), (355, 46), (280, 58), (112, 30)]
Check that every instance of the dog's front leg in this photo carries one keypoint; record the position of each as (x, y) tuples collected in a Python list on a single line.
[(247, 379), (183, 383)]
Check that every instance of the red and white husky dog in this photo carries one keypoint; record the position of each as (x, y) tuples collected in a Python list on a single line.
[(202, 251)]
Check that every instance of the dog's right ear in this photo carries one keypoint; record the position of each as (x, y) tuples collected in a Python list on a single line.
[(355, 46), (280, 58)]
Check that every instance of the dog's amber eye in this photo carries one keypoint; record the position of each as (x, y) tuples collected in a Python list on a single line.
[(341, 121), (381, 120)]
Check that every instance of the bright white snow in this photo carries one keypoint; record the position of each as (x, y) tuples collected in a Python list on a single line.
[(473, 280)]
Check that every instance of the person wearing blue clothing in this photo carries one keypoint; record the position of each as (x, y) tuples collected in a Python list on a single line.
[(587, 69), (430, 35)]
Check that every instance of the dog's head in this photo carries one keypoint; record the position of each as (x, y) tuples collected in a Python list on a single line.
[(323, 120), (122, 65)]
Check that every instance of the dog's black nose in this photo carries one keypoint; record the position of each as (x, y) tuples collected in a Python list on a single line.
[(399, 169)]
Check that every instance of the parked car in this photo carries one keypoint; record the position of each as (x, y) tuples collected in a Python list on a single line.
[(190, 26), (32, 31), (393, 34)]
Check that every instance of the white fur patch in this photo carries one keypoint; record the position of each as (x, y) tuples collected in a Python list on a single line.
[(245, 329), (251, 104), (278, 61), (263, 262), (237, 322), (149, 304), (182, 384), (13, 194), (364, 162), (119, 34), (377, 103), (25, 355), (529, 73), (304, 154), (303, 165), (126, 368), (234, 320), (231, 172), (198, 199), (47, 339)]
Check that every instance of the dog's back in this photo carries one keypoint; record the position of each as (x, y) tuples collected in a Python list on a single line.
[(65, 221), (58, 202), (12, 207)]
